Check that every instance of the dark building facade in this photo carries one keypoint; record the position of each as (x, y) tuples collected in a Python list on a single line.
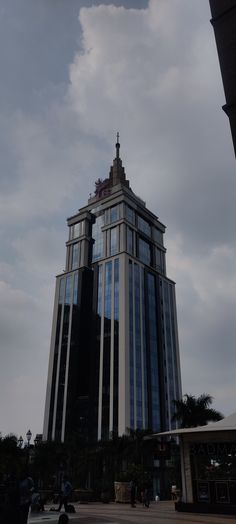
[(224, 24), (114, 357)]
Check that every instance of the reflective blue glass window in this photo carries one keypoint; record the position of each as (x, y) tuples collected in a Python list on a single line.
[(114, 240), (116, 345), (97, 234), (138, 359), (144, 251), (71, 228), (130, 240), (152, 317), (106, 352), (68, 290), (62, 290), (75, 256), (145, 388), (99, 304), (158, 254), (108, 284), (169, 338), (114, 213), (116, 299), (131, 344), (75, 292), (158, 235), (130, 214), (77, 229), (144, 226)]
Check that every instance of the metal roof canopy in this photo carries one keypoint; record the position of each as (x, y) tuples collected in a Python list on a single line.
[(226, 424)]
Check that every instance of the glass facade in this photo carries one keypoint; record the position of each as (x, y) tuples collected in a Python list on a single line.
[(144, 226), (120, 327), (130, 214), (100, 279), (62, 290), (75, 256), (144, 251), (153, 352), (137, 355), (116, 343), (108, 340), (106, 351), (98, 237), (158, 257), (114, 240), (138, 348), (144, 351), (112, 214), (67, 301), (170, 345), (157, 235), (77, 230), (131, 344), (130, 240)]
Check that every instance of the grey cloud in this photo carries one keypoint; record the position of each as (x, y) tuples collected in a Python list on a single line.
[(160, 87)]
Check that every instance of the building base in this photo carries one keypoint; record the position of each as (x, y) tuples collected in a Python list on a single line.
[(222, 509)]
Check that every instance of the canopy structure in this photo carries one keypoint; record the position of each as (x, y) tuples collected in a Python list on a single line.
[(226, 424), (208, 466)]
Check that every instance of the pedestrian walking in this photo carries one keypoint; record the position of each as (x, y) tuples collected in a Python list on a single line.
[(66, 491), (26, 487), (132, 494), (146, 498)]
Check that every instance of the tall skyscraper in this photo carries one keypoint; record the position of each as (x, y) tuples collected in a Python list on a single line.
[(114, 357)]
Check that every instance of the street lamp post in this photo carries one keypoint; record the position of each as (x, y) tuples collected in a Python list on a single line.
[(20, 441), (28, 436)]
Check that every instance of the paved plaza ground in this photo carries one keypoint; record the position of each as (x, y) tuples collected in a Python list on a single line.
[(160, 513)]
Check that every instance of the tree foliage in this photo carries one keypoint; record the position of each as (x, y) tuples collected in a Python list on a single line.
[(194, 411)]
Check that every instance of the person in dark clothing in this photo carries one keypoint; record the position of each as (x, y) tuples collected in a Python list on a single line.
[(26, 487), (63, 519), (37, 502), (9, 509), (132, 494), (65, 493), (146, 498)]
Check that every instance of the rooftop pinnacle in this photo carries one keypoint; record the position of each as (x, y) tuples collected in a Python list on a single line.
[(117, 172)]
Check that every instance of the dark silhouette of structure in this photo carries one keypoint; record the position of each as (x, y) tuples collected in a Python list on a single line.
[(224, 24)]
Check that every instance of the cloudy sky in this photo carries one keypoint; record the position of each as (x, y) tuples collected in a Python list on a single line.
[(73, 72)]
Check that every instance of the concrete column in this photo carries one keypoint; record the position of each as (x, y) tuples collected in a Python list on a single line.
[(187, 489)]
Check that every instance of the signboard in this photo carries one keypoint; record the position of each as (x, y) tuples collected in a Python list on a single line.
[(213, 449), (203, 492), (162, 451), (222, 492)]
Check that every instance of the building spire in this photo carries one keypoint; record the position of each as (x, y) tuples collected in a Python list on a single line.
[(117, 145)]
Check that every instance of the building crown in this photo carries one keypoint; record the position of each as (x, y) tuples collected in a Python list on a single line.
[(117, 171), (116, 176)]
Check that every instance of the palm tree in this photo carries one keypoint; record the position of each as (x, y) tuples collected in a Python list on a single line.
[(194, 411)]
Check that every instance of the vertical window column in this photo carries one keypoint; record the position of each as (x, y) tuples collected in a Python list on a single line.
[(153, 348), (62, 360), (116, 344), (138, 362), (106, 351)]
